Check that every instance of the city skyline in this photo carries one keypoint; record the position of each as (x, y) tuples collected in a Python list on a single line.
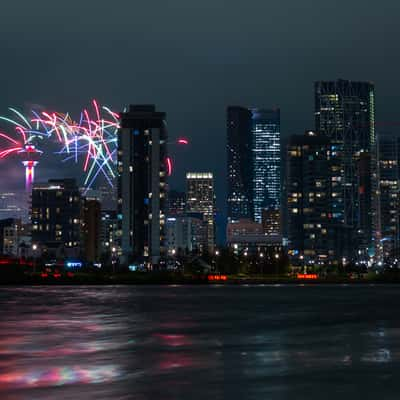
[(204, 70), (199, 199)]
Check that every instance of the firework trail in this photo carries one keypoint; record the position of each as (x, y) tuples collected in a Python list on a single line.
[(93, 137), (22, 144), (92, 140)]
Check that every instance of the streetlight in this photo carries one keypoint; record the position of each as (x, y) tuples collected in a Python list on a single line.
[(34, 248), (262, 263), (113, 261), (276, 255)]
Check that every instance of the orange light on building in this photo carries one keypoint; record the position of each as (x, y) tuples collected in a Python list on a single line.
[(307, 276), (217, 277)]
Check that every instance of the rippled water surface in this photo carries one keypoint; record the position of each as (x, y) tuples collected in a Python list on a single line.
[(200, 342)]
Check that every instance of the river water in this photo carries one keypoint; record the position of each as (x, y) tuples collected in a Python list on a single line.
[(200, 342)]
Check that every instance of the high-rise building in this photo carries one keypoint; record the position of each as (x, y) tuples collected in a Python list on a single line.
[(142, 184), (56, 218), (388, 154), (91, 226), (345, 113), (254, 162), (266, 161), (311, 226), (240, 163), (200, 198)]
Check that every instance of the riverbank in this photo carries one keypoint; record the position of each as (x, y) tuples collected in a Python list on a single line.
[(158, 278)]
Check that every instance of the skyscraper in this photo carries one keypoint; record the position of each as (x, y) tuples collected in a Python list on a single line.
[(254, 163), (345, 113), (311, 200), (388, 152), (266, 161), (200, 199), (91, 227), (240, 163), (142, 184)]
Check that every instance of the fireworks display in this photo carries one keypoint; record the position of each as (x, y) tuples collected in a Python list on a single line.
[(91, 140)]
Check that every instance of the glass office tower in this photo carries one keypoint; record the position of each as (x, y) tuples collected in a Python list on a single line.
[(266, 161)]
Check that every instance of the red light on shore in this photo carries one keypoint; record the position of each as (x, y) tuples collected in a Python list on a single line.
[(57, 275), (307, 276), (44, 275), (217, 277)]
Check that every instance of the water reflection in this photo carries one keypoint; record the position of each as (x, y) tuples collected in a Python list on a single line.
[(177, 342)]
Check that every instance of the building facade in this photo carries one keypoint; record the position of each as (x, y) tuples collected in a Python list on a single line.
[(239, 163), (91, 227), (266, 161), (388, 152), (176, 203), (10, 230), (311, 200), (56, 218), (345, 113), (142, 184), (200, 199)]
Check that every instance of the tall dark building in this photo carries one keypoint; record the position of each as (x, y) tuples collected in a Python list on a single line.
[(311, 200), (91, 227), (388, 152), (239, 158), (56, 218), (142, 184), (345, 113)]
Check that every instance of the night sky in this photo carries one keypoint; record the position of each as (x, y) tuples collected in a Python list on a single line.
[(192, 59)]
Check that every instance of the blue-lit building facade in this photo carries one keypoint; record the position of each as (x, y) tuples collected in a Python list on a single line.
[(266, 150)]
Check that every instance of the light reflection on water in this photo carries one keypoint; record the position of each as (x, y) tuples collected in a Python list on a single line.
[(182, 342)]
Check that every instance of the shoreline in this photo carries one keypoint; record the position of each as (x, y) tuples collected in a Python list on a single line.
[(110, 280)]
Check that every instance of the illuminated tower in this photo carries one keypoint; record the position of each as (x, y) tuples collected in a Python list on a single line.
[(266, 161), (142, 175), (30, 156)]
